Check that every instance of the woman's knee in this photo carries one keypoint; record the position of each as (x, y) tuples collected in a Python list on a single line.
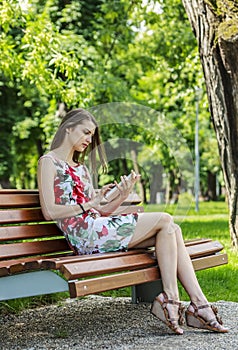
[(166, 221), (178, 231)]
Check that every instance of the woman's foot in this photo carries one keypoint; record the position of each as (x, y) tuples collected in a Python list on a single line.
[(168, 311), (205, 317)]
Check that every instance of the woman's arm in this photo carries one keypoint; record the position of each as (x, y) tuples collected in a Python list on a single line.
[(52, 211), (45, 175)]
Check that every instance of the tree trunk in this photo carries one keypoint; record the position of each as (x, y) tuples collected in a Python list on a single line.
[(156, 171), (216, 29), (211, 186)]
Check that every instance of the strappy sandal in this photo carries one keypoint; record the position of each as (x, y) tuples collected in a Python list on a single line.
[(197, 321), (159, 310)]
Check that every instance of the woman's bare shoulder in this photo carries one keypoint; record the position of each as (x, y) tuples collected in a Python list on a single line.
[(47, 156)]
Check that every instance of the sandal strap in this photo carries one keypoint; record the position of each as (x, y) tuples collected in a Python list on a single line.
[(214, 309), (199, 307), (180, 319), (170, 301), (196, 308), (174, 302)]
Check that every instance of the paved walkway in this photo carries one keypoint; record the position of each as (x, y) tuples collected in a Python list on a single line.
[(106, 323)]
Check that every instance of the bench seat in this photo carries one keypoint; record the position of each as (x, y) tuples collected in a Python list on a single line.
[(36, 259)]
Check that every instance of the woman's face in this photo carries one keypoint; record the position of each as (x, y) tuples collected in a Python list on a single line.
[(81, 135)]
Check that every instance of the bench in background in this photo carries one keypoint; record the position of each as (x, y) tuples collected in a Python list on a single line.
[(35, 258)]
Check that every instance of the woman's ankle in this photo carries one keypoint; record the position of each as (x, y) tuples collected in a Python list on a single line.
[(169, 295), (199, 301)]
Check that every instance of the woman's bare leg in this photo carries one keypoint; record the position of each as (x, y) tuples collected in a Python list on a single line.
[(159, 228), (186, 273), (188, 279), (173, 258)]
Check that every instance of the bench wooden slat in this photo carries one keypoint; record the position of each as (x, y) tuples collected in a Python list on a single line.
[(210, 261), (85, 269), (105, 266), (203, 249), (100, 284), (19, 200), (125, 279), (10, 216), (195, 241), (11, 266), (18, 265), (14, 191), (20, 215), (13, 233), (32, 248), (11, 198), (25, 266), (55, 262)]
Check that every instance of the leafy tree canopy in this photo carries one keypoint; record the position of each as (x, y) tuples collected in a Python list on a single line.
[(56, 53)]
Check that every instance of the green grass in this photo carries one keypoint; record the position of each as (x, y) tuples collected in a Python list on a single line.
[(15, 306), (186, 207), (219, 283)]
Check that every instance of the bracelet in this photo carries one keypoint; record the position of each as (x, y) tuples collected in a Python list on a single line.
[(82, 208)]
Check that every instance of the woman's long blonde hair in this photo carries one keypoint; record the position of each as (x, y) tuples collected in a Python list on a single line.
[(71, 120)]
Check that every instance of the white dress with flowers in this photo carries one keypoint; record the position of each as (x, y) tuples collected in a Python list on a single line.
[(89, 232)]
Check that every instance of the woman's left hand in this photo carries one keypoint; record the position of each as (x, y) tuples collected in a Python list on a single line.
[(100, 196), (126, 184)]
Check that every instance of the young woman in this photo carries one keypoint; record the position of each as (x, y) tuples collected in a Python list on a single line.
[(67, 196)]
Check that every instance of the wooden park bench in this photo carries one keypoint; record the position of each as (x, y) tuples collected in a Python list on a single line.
[(35, 258)]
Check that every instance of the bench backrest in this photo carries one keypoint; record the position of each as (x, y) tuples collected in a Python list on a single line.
[(24, 232), (23, 229)]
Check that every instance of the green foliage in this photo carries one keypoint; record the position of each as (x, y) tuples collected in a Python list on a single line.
[(227, 11), (228, 29), (86, 53)]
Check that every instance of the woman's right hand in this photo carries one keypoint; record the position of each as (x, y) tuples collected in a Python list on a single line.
[(100, 196), (124, 189)]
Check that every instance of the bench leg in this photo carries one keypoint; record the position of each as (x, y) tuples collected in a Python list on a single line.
[(31, 284), (146, 292)]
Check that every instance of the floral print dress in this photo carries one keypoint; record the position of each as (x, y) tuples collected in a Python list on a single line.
[(88, 232)]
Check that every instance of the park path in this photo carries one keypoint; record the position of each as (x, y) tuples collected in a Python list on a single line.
[(102, 323)]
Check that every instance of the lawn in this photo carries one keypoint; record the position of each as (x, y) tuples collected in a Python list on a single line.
[(218, 283)]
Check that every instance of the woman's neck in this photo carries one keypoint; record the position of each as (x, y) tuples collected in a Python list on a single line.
[(64, 155)]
